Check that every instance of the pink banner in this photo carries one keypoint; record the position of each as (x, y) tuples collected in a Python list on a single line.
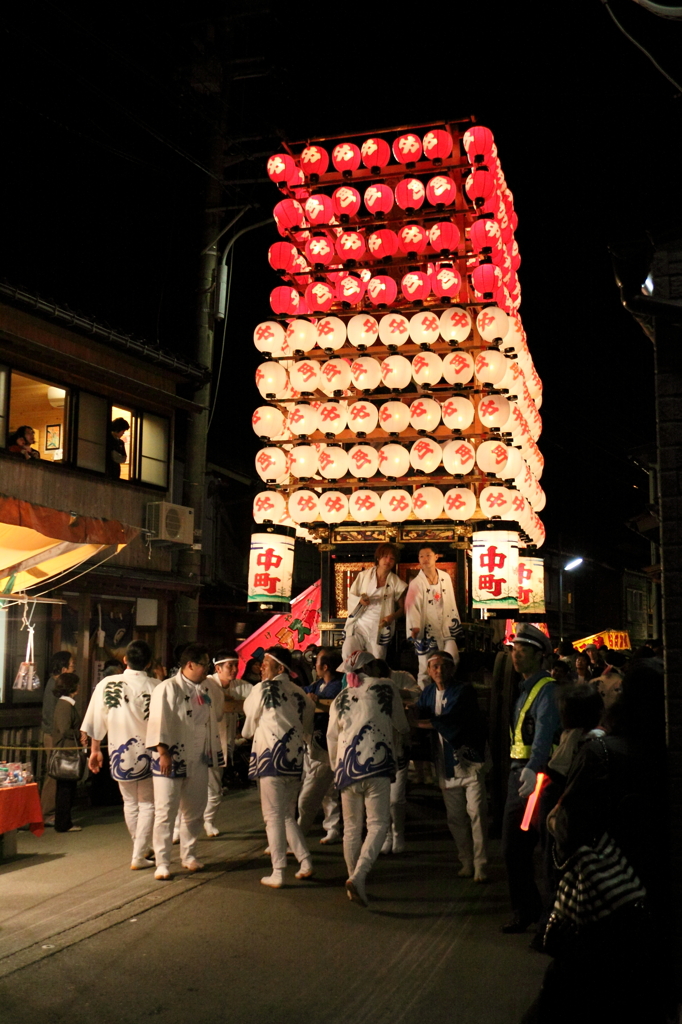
[(296, 630)]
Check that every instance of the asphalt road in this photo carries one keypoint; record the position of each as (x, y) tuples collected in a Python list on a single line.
[(428, 948)]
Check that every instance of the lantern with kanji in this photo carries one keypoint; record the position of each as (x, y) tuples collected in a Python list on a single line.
[(415, 286), (424, 328), (394, 461), (459, 457), (427, 368), (281, 167), (365, 373), (351, 290), (486, 279), (335, 377), (446, 282), (271, 464), (457, 413), (333, 507), (382, 244), (495, 502), (285, 301), (407, 149), (320, 251), (333, 463), (394, 330), (305, 376), (412, 240), (269, 338), (494, 411), (531, 585), (378, 200), (267, 421), (302, 419), (437, 145), (492, 323), (346, 202), (441, 191), (318, 209), (314, 162), (495, 566), (363, 461), (271, 566), (425, 455), (424, 415), (478, 144), (427, 502), (459, 503), (269, 507), (363, 330), (346, 158), (319, 297), (458, 367), (396, 505), (485, 237), (365, 506), (332, 418), (382, 291), (396, 372), (394, 417), (363, 418), (375, 154), (289, 214), (409, 194), (303, 506)]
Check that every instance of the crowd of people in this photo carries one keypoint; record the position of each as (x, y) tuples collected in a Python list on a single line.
[(578, 786)]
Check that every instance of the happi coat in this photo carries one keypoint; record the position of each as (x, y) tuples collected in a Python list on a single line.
[(364, 726), (170, 722), (119, 709), (392, 591), (444, 622), (280, 718)]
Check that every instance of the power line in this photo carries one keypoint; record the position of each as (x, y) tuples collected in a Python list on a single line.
[(640, 47)]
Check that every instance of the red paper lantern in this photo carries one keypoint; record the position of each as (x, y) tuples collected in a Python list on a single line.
[(485, 236), (285, 300), (351, 289), (297, 181), (375, 154), (289, 214), (319, 296), (446, 281), (314, 160), (444, 236), (412, 239), (382, 290), (514, 221), (282, 256), (437, 145), (346, 157), (407, 149), (320, 250), (350, 246), (319, 209), (480, 185), (514, 255), (379, 199), (503, 299), (382, 244), (415, 286), (346, 201), (409, 195), (441, 190), (281, 167), (487, 280), (478, 143)]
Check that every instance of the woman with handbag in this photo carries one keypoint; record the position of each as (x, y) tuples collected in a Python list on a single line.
[(66, 733)]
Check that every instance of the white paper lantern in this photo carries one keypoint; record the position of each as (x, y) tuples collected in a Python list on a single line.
[(492, 457), (495, 501), (455, 324), (514, 339), (303, 506), (333, 507), (333, 462), (394, 330), (427, 368), (364, 506), (513, 465), (270, 337), (334, 376), (396, 505), (271, 378), (458, 367), (267, 421), (394, 417), (271, 565), (491, 366), (363, 330), (494, 410), (269, 506), (492, 323), (301, 335), (517, 425), (459, 457), (495, 568), (303, 462), (425, 414), (363, 461), (531, 585), (513, 379), (331, 333), (305, 376), (396, 372), (457, 413), (427, 502), (424, 328), (394, 460), (271, 464), (288, 392), (362, 417), (459, 503), (425, 455), (539, 499), (332, 417), (365, 373), (302, 419)]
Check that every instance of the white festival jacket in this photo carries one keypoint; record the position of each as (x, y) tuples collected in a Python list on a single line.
[(364, 733), (393, 590), (280, 717), (170, 722), (119, 709), (448, 626)]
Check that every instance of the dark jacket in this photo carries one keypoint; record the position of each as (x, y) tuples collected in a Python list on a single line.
[(460, 723), (66, 724)]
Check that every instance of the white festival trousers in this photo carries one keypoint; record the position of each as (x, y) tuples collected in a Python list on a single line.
[(399, 803), (215, 795), (138, 810), (187, 795), (318, 790), (278, 796), (443, 645), (466, 811), (370, 798)]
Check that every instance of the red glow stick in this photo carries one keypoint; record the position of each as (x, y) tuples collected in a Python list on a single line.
[(532, 800)]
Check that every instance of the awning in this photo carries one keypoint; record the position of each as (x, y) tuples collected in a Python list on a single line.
[(38, 543)]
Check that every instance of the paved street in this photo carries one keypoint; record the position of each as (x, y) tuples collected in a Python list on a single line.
[(222, 947)]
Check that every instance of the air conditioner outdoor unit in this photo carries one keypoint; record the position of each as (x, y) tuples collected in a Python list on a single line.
[(172, 524)]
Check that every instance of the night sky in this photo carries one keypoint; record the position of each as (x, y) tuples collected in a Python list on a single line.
[(105, 135)]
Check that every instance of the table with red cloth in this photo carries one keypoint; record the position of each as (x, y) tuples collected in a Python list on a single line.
[(19, 806)]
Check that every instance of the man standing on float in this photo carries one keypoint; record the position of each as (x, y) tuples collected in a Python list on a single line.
[(431, 610), (375, 601)]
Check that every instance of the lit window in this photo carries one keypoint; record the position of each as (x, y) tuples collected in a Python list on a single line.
[(39, 410), (121, 445)]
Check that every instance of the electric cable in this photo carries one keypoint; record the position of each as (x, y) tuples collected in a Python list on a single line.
[(640, 47), (224, 338)]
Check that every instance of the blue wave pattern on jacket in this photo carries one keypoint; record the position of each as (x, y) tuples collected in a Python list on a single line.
[(280, 759), (364, 758), (130, 762), (178, 763)]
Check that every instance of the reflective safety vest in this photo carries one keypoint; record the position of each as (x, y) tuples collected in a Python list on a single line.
[(520, 749)]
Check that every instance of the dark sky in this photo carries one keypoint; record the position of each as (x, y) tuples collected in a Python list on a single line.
[(105, 136)]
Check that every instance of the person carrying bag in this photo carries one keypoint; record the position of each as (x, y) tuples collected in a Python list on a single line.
[(66, 765)]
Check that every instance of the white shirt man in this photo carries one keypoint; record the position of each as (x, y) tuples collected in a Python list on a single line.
[(431, 611), (119, 709), (183, 728), (230, 694), (375, 602)]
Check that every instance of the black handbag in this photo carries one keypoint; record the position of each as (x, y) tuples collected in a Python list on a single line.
[(66, 764)]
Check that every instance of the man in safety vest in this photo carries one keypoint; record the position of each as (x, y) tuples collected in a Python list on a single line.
[(534, 724)]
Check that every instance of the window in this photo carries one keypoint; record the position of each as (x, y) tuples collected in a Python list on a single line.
[(41, 406), (127, 439), (93, 415), (154, 460)]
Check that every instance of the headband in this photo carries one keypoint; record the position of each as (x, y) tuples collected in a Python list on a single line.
[(441, 654), (292, 673), (226, 661)]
